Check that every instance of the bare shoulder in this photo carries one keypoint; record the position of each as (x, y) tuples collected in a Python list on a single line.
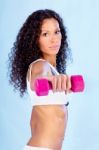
[(39, 68)]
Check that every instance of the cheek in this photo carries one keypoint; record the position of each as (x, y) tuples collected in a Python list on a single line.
[(60, 37), (43, 44)]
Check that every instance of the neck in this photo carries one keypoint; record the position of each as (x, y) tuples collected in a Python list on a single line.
[(51, 60)]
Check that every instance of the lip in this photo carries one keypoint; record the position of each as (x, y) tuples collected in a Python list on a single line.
[(54, 46)]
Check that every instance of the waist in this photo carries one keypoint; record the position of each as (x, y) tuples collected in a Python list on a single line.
[(46, 141), (50, 137)]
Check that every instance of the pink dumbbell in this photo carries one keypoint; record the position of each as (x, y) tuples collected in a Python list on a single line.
[(42, 86)]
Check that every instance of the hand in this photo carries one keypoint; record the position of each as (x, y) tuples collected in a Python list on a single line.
[(60, 83)]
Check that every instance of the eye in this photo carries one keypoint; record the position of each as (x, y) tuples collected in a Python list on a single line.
[(57, 32), (45, 34)]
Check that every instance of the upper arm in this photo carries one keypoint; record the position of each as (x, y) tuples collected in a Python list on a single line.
[(37, 70)]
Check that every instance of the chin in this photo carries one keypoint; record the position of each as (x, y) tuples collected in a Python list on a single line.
[(55, 52)]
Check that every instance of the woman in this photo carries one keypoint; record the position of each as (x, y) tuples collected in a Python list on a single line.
[(40, 51)]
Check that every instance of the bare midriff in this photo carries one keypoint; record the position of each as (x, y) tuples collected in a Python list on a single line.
[(48, 125)]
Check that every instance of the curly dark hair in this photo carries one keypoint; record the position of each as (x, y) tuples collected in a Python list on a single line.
[(26, 49)]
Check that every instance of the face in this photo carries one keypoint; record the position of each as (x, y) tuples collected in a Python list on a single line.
[(50, 37)]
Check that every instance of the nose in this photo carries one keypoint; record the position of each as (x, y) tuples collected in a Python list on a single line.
[(54, 38)]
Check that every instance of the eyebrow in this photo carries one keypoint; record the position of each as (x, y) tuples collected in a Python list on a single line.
[(48, 30)]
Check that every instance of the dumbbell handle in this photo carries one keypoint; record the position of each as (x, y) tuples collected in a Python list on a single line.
[(42, 86)]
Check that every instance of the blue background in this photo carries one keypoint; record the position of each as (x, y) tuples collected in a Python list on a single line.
[(82, 20)]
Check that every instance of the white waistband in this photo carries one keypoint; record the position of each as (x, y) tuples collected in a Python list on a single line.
[(27, 147)]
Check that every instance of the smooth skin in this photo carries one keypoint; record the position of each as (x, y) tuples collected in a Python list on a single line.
[(48, 122)]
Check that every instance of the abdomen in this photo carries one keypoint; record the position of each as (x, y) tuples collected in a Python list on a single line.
[(48, 124)]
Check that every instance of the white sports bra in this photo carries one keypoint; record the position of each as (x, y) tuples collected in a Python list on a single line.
[(51, 98)]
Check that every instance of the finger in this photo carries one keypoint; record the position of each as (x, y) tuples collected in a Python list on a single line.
[(63, 82), (54, 83), (59, 84), (68, 84)]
